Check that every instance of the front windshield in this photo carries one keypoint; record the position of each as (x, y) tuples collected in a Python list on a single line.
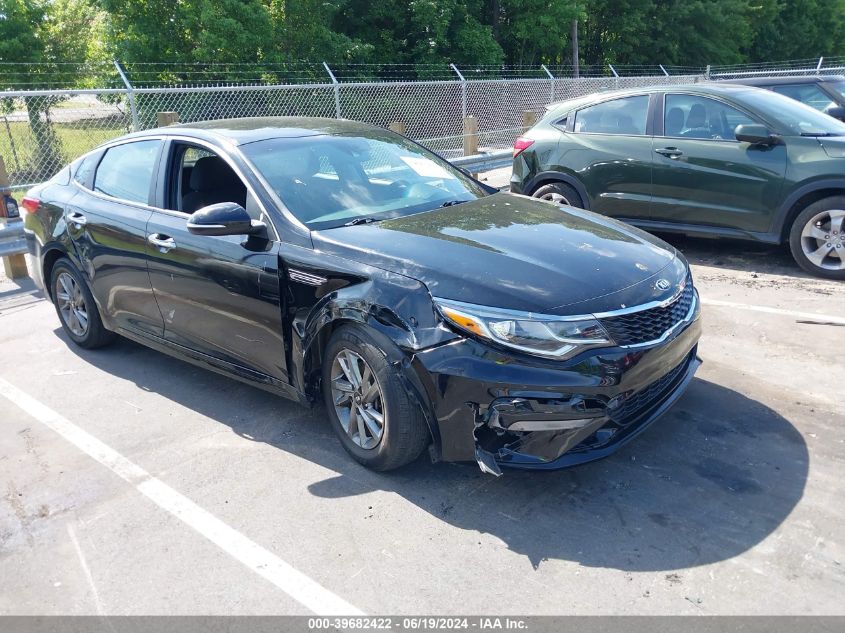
[(796, 117), (838, 87), (328, 181)]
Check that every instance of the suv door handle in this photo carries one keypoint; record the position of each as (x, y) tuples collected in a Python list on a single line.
[(669, 152), (77, 218), (164, 243)]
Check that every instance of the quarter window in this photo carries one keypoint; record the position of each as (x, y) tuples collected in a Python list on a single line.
[(85, 169), (691, 116), (619, 116), (126, 171)]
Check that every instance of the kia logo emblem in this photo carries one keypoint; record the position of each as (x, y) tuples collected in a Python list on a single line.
[(662, 284)]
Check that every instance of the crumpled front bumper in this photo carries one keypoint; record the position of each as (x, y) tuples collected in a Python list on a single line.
[(505, 410)]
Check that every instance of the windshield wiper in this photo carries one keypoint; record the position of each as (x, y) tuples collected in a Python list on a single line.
[(819, 134), (358, 221), (451, 203)]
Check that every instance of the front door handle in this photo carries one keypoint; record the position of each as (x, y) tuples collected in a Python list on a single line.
[(164, 243), (77, 218), (670, 152)]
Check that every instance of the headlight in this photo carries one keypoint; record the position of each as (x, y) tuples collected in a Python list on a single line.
[(540, 334)]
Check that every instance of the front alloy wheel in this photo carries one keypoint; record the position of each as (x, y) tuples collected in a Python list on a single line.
[(817, 238), (358, 400), (378, 420), (823, 239)]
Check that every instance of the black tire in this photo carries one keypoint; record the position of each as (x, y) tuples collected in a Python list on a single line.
[(560, 193), (95, 334), (405, 433), (829, 230)]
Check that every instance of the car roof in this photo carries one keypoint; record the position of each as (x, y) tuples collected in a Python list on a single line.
[(248, 130), (711, 88), (795, 79)]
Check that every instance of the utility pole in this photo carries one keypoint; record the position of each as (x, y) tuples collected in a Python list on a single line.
[(576, 70)]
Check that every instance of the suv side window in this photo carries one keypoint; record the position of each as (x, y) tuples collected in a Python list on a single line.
[(810, 94), (692, 116), (626, 116), (126, 171)]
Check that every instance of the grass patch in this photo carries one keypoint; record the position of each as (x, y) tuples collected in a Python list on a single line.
[(18, 146)]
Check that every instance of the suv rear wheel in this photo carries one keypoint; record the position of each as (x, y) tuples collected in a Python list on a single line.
[(560, 193), (817, 238)]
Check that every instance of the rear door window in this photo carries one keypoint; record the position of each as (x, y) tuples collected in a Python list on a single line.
[(627, 116), (126, 171)]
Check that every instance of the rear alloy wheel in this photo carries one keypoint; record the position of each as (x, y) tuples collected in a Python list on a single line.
[(560, 193), (378, 421), (817, 238), (76, 308)]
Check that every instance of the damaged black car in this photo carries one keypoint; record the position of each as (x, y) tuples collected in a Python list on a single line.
[(333, 261)]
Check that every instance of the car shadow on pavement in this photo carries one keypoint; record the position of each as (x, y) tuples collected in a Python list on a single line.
[(710, 480), (738, 255)]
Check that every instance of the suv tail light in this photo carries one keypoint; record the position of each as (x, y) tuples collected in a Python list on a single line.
[(30, 204), (521, 144)]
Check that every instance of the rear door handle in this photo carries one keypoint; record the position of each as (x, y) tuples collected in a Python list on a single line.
[(669, 152), (164, 243), (77, 218)]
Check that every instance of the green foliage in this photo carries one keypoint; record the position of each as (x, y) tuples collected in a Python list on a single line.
[(466, 32), (420, 32)]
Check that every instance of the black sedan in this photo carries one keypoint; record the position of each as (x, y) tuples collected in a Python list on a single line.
[(324, 259)]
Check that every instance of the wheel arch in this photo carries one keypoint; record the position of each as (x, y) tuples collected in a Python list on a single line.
[(549, 177), (800, 199), (394, 338), (49, 256)]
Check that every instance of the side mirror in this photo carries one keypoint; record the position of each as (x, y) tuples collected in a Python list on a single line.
[(755, 134), (224, 218), (837, 112)]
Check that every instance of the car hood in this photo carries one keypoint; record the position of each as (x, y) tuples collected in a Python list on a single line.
[(515, 252)]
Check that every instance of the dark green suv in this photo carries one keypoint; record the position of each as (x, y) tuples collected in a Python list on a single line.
[(709, 159)]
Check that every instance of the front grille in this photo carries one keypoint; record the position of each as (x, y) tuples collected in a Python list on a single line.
[(640, 401), (649, 325)]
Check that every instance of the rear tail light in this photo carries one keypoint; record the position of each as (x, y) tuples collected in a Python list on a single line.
[(521, 144), (9, 208), (31, 204)]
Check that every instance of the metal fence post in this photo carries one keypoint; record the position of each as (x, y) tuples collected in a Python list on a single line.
[(133, 109), (551, 83), (463, 90), (336, 85), (707, 73), (615, 75)]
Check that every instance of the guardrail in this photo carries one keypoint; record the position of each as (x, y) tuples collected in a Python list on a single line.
[(485, 161), (12, 240)]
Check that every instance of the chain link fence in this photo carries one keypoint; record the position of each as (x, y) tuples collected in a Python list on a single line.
[(42, 130)]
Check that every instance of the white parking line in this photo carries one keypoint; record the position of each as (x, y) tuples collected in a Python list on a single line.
[(810, 316), (306, 591)]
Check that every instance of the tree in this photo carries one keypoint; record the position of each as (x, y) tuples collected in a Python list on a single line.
[(22, 43), (797, 29), (422, 32), (532, 32)]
